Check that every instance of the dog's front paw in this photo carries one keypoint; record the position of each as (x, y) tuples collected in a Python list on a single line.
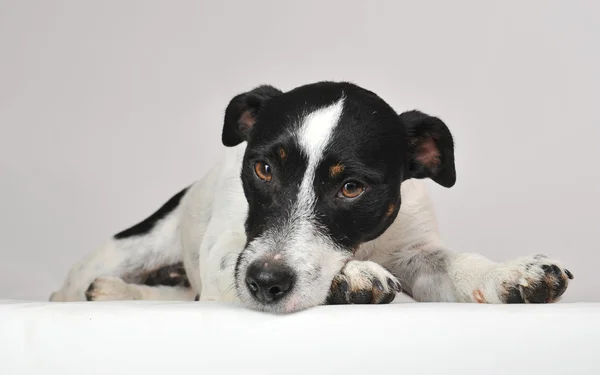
[(110, 289), (363, 282), (534, 279)]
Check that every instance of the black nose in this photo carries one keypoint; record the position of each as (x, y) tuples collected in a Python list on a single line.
[(268, 281)]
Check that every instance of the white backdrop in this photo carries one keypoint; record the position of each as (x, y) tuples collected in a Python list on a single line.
[(108, 108)]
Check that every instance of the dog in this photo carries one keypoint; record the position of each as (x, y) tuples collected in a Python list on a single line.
[(320, 199)]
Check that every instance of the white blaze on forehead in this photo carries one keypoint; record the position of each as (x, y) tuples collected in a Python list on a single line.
[(316, 129), (314, 136)]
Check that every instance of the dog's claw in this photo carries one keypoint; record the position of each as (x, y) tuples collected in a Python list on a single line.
[(395, 285), (569, 274)]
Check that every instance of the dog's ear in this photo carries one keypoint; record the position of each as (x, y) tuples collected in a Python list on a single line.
[(431, 148), (242, 112)]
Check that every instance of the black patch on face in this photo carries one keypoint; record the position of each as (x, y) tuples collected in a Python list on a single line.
[(271, 202), (148, 224), (369, 142)]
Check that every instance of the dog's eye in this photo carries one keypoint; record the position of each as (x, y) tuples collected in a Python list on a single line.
[(263, 171), (352, 189)]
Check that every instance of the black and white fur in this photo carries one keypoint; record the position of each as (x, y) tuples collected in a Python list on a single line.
[(295, 240)]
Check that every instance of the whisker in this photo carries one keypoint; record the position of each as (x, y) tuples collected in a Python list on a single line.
[(229, 289), (227, 267)]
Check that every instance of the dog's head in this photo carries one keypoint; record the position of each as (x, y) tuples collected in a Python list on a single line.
[(321, 173)]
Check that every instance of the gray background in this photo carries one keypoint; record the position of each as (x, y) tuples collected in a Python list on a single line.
[(108, 108)]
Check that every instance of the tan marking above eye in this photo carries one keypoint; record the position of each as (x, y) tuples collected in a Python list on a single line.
[(390, 210), (282, 153), (335, 170), (263, 171), (352, 189)]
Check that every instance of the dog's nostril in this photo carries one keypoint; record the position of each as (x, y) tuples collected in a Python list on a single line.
[(275, 290), (253, 286)]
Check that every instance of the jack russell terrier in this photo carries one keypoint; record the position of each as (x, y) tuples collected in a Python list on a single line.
[(320, 199)]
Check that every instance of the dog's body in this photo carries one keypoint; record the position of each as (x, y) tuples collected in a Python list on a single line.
[(319, 199)]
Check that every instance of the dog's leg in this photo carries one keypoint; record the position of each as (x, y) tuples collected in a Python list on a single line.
[(169, 283), (430, 273), (130, 255), (115, 289), (126, 261), (414, 252)]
